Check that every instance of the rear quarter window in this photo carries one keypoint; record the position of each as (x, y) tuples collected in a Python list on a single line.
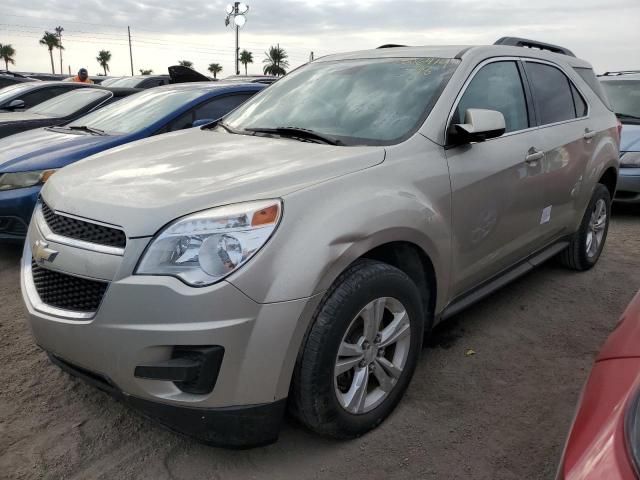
[(590, 79)]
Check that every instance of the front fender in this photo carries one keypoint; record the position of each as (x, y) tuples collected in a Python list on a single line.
[(328, 226)]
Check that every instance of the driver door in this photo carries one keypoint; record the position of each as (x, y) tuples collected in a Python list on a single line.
[(496, 203)]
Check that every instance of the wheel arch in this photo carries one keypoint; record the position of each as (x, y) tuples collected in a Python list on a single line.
[(609, 179)]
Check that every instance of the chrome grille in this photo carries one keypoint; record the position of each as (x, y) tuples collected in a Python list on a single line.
[(81, 230)]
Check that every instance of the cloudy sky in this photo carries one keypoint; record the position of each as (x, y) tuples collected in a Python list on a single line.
[(604, 32)]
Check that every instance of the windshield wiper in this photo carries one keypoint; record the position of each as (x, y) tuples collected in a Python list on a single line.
[(627, 115), (297, 132), (85, 128), (228, 128)]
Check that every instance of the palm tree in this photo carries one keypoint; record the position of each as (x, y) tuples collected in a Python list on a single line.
[(7, 52), (276, 61), (145, 72), (51, 40), (245, 58), (103, 59), (186, 63), (215, 69)]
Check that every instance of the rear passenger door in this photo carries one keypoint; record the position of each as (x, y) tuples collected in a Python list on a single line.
[(496, 200), (566, 138)]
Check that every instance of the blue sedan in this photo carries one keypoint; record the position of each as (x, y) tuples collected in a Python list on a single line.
[(28, 159)]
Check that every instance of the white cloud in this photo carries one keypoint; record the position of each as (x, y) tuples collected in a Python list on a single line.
[(604, 33)]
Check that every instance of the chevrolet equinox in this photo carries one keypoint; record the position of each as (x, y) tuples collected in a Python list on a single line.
[(293, 255)]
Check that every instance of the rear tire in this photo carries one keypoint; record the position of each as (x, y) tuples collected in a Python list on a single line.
[(351, 373), (587, 243)]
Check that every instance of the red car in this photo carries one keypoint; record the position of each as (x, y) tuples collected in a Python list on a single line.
[(604, 442)]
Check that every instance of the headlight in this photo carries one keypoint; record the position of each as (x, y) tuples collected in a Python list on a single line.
[(630, 160), (10, 181), (205, 247)]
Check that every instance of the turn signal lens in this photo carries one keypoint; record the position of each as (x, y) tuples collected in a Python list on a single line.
[(266, 216)]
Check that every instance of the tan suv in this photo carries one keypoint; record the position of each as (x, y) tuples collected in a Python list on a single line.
[(297, 252)]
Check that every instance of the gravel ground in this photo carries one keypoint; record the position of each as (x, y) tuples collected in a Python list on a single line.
[(502, 413)]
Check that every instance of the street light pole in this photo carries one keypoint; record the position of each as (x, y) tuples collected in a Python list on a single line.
[(237, 12), (237, 47)]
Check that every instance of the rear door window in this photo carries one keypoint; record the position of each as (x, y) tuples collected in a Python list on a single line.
[(551, 93), (36, 97), (579, 102), (497, 86), (212, 110)]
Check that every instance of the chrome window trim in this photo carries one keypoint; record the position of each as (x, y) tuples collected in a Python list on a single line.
[(95, 107), (48, 234), (465, 85), (34, 298)]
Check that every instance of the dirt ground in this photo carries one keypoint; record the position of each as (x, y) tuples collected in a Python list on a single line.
[(502, 413)]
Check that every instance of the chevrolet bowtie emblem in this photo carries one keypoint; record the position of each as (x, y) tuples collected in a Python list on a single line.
[(41, 252)]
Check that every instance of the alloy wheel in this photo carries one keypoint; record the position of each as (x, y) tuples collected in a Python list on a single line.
[(597, 227), (372, 355)]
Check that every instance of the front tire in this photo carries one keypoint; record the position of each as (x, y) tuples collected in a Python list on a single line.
[(587, 243), (360, 352)]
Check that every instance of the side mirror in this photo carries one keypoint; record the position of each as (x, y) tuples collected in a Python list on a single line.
[(15, 105), (201, 122), (479, 125)]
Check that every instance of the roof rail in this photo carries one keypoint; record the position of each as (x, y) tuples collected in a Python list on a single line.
[(391, 45), (523, 42), (621, 72)]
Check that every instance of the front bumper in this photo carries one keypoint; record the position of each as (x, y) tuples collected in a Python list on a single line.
[(628, 188), (141, 320), (231, 427), (16, 207)]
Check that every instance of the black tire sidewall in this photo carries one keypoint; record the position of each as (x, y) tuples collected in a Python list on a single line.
[(389, 283)]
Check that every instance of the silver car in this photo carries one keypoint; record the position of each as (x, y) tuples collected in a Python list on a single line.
[(296, 253), (623, 89)]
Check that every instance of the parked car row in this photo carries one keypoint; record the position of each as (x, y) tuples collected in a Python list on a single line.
[(293, 251)]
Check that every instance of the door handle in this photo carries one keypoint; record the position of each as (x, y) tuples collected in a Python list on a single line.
[(533, 156), (589, 134)]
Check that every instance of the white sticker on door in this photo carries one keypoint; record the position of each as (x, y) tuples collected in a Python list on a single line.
[(546, 215)]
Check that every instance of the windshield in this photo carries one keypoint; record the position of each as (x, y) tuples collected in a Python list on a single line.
[(358, 102), (625, 97), (138, 111), (70, 102), (11, 91), (126, 82)]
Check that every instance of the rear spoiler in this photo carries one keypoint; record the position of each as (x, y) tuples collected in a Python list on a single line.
[(181, 74)]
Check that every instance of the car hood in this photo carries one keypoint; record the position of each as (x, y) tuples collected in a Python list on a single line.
[(44, 148), (630, 139), (14, 117), (144, 185)]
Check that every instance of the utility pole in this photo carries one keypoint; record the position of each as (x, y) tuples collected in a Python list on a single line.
[(59, 31), (130, 51)]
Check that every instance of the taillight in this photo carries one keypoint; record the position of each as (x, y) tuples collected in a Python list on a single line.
[(619, 129)]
